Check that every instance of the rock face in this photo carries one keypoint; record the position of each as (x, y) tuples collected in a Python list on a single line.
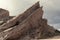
[(19, 18), (4, 15), (28, 24)]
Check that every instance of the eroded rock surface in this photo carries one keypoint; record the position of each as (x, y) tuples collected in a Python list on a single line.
[(28, 25)]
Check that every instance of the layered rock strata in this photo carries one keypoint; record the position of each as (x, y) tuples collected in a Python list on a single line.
[(28, 24)]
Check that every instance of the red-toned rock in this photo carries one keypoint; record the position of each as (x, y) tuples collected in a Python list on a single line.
[(19, 18), (29, 24), (4, 15)]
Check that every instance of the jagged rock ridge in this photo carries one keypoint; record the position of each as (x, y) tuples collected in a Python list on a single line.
[(28, 24)]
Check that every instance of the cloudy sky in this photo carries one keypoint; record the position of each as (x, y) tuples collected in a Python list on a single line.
[(51, 9)]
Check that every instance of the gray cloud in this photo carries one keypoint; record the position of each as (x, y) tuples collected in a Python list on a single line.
[(52, 13)]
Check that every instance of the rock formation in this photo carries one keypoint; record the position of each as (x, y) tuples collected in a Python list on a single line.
[(4, 14), (28, 24), (19, 18)]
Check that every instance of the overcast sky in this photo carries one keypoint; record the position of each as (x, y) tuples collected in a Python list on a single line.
[(51, 9)]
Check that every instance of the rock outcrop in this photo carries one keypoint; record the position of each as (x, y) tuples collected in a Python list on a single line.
[(4, 15), (19, 18), (28, 24)]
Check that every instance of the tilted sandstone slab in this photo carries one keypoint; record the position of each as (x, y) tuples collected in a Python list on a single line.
[(25, 25), (19, 18), (32, 25), (42, 31)]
